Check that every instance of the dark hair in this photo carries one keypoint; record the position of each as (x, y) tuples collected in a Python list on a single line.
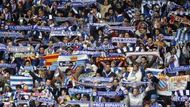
[(149, 72), (68, 70), (76, 105), (106, 14), (26, 62), (144, 57), (66, 90), (87, 96), (18, 86), (135, 64)]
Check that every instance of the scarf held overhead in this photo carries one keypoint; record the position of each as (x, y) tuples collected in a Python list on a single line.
[(96, 79), (109, 59), (123, 40)]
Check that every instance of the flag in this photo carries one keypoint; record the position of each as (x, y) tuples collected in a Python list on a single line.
[(50, 59), (73, 58), (73, 61), (20, 80)]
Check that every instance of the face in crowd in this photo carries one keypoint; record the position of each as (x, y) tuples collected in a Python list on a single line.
[(108, 68), (135, 91)]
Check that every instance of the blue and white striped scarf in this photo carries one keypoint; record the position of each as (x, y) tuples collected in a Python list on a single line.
[(97, 79), (61, 44), (65, 33), (177, 69), (101, 48), (80, 91), (7, 65), (34, 28), (182, 35), (10, 34), (98, 104), (123, 40), (109, 93)]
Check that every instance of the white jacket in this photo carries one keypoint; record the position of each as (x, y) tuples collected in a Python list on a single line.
[(136, 101), (135, 76)]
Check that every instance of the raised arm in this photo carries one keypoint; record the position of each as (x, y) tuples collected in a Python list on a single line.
[(103, 64)]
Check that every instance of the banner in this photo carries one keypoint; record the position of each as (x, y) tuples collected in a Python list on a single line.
[(10, 34), (180, 98), (65, 33), (43, 100), (97, 104), (94, 54), (81, 103), (177, 69), (108, 104), (98, 24), (114, 54), (58, 28), (96, 79), (83, 1), (39, 94), (61, 44), (7, 65), (169, 37), (109, 93), (34, 28), (142, 53), (131, 28), (62, 19), (181, 95), (180, 12), (72, 4), (76, 3), (22, 55), (154, 71), (150, 2), (110, 58), (72, 58), (23, 98), (20, 27), (123, 40), (42, 28), (20, 80), (29, 68), (178, 82), (97, 85), (101, 48), (19, 49), (18, 102), (80, 91), (134, 84), (3, 47), (86, 75), (114, 23)]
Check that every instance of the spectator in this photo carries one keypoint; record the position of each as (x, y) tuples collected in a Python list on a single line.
[(136, 74)]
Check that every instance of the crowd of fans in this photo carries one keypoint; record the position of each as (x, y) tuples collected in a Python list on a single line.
[(148, 35)]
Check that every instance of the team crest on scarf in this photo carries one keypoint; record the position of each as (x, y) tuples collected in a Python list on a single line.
[(74, 58), (163, 85)]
